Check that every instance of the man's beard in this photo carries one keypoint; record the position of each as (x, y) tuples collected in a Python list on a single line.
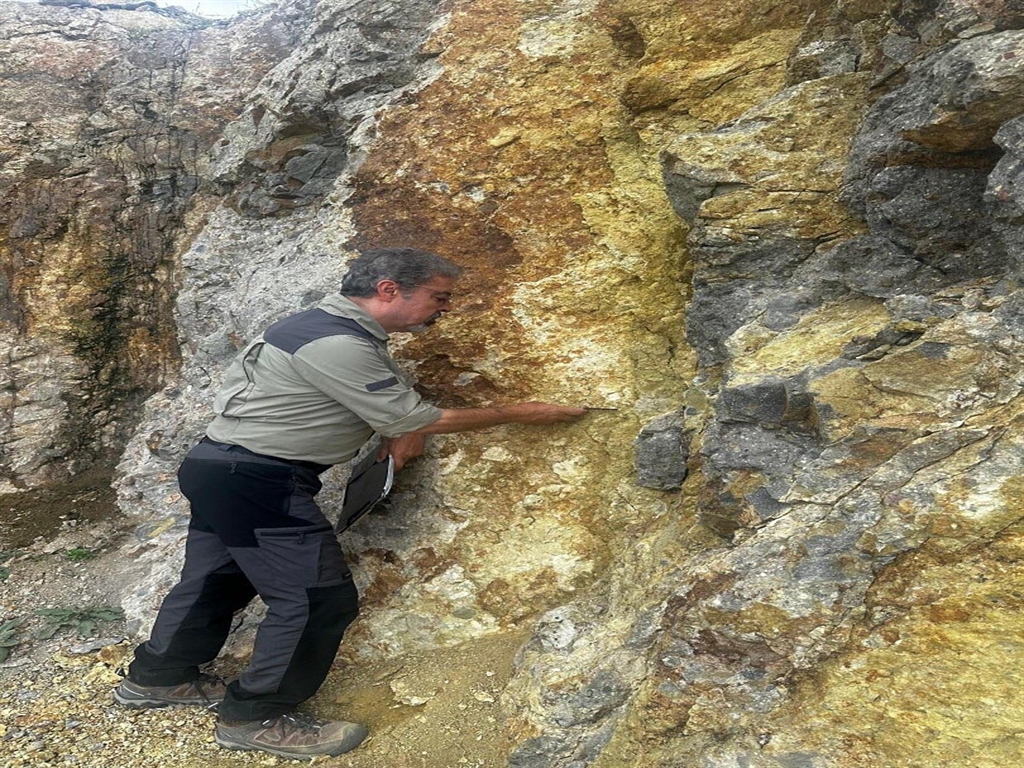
[(421, 327)]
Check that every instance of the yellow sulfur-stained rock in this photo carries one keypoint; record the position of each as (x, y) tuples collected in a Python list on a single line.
[(819, 338), (900, 695)]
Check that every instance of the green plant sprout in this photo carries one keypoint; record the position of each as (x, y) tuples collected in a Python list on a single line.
[(79, 554), (82, 620), (7, 641)]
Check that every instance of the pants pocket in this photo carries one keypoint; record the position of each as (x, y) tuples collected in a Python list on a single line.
[(306, 557)]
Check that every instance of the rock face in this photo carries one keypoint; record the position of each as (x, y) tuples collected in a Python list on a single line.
[(106, 120), (781, 250)]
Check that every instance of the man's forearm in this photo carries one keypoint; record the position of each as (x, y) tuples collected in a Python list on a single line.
[(466, 419)]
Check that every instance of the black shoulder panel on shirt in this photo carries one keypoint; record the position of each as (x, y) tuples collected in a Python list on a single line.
[(294, 332)]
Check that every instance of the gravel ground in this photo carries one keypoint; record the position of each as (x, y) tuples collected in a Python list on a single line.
[(55, 693), (438, 709)]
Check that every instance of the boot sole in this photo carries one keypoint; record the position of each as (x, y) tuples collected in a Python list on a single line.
[(160, 703), (244, 747), (249, 748)]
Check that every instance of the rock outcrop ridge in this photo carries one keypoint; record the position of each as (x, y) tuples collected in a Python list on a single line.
[(781, 249)]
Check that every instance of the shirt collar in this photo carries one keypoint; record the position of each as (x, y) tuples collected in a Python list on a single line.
[(342, 306)]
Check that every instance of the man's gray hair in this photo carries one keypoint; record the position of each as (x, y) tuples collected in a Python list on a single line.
[(409, 267)]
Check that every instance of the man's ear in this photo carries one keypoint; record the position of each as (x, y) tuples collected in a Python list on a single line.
[(387, 290)]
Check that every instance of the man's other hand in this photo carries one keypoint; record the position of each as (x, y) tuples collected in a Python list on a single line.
[(403, 448), (545, 413)]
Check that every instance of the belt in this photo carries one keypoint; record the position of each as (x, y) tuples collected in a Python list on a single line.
[(310, 465)]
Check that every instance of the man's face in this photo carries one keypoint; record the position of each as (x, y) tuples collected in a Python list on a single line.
[(420, 307)]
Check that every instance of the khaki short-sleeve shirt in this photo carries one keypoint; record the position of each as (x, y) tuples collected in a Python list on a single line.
[(315, 386)]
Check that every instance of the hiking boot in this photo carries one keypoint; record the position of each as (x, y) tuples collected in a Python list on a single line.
[(291, 735), (205, 691)]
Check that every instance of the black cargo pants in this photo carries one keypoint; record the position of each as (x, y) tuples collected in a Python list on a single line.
[(255, 530)]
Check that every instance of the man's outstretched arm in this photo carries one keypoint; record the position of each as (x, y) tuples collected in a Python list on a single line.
[(466, 419), (409, 446)]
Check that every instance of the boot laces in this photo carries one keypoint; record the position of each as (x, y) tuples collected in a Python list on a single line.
[(296, 721), (206, 680)]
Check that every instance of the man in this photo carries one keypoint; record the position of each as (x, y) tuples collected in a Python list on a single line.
[(305, 395)]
